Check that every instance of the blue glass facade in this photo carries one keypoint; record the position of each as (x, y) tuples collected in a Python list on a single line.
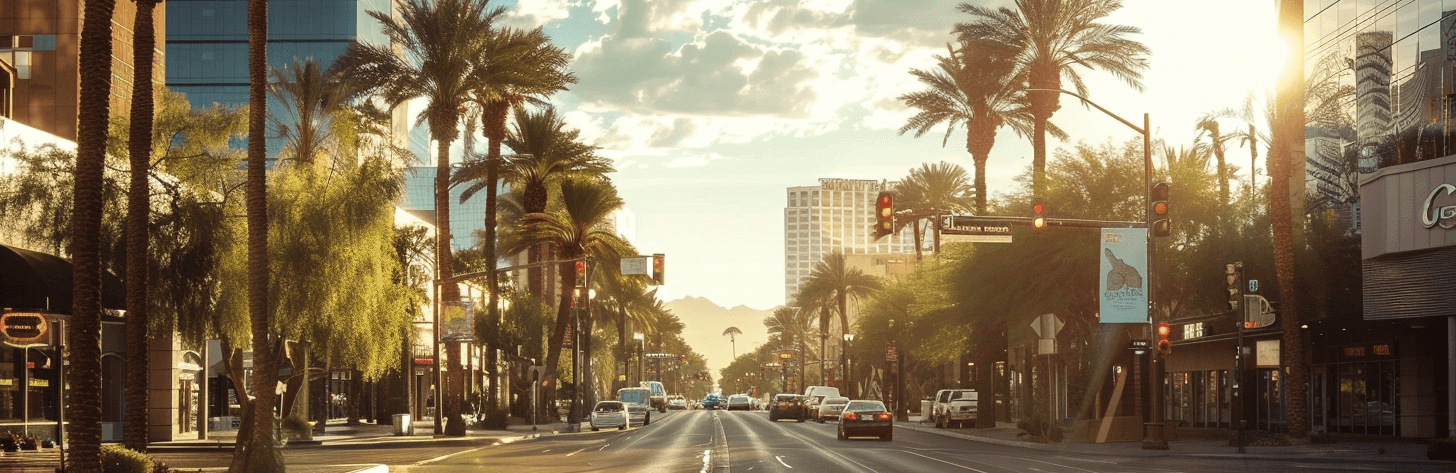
[(465, 218)]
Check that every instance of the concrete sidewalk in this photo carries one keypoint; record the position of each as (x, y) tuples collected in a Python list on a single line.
[(1199, 442)]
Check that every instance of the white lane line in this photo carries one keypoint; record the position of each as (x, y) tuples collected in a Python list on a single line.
[(1058, 464), (943, 461), (780, 458), (442, 457), (604, 447), (576, 452), (707, 460)]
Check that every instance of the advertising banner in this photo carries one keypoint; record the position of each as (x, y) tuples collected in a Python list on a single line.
[(457, 322), (1122, 283)]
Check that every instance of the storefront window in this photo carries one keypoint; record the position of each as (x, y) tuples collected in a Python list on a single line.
[(10, 384)]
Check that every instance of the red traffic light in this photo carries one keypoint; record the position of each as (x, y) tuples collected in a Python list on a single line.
[(884, 214), (1038, 213), (1163, 330)]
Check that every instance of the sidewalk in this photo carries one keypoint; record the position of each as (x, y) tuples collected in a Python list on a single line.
[(1209, 443)]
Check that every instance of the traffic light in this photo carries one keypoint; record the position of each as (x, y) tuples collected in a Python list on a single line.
[(1231, 274), (1038, 213), (884, 215), (580, 273), (1164, 346), (1158, 219), (657, 269)]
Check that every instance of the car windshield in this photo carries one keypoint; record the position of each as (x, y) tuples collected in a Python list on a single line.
[(971, 395), (862, 406), (836, 400), (635, 396)]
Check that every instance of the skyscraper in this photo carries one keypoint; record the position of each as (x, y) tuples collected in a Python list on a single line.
[(835, 215)]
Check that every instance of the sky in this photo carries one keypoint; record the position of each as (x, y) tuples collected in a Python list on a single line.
[(711, 109)]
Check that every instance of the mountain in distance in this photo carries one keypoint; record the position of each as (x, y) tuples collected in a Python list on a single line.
[(704, 323)]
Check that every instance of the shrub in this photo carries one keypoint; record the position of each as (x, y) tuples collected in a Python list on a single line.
[(296, 423), (119, 459), (1444, 449), (494, 418), (1039, 428)]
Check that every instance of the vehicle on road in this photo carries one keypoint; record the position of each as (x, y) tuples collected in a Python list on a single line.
[(659, 395), (816, 394), (954, 407), (677, 403), (866, 419), (739, 402), (787, 406), (609, 414), (830, 408), (638, 402), (713, 401)]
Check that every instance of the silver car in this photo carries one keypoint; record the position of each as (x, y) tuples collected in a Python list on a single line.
[(740, 402), (609, 414), (830, 408)]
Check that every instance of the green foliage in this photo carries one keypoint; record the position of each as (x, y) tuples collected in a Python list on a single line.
[(119, 459), (1038, 428), (296, 423)]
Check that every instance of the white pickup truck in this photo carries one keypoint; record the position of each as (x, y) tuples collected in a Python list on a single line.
[(954, 406)]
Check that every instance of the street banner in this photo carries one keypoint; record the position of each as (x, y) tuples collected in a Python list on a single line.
[(458, 322), (1123, 281), (637, 265)]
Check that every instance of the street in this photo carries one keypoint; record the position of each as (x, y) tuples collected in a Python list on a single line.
[(721, 441)]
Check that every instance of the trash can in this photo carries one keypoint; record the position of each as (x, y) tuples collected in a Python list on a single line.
[(402, 425), (927, 408)]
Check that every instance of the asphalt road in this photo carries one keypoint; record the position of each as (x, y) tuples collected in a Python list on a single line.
[(720, 441)]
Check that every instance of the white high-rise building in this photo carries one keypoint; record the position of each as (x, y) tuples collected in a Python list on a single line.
[(838, 214)]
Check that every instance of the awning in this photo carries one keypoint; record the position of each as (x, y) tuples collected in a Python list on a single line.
[(39, 281)]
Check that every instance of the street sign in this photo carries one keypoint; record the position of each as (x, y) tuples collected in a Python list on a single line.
[(1253, 285), (956, 229), (1140, 344), (637, 265), (891, 354), (660, 355), (23, 327)]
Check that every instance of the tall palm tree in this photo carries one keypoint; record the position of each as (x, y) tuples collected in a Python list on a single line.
[(579, 228), (936, 189), (1207, 128), (443, 43), (832, 279), (732, 332), (975, 87), (1288, 125), (85, 327), (792, 327), (138, 214), (309, 98), (1049, 38)]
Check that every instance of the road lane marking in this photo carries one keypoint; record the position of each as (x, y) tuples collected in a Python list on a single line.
[(576, 452), (443, 457), (943, 461), (780, 458), (1058, 464), (707, 460)]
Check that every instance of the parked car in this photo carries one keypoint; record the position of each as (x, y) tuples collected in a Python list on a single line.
[(954, 407), (659, 395), (713, 401), (638, 401), (866, 419), (830, 408), (787, 406), (609, 414), (739, 402)]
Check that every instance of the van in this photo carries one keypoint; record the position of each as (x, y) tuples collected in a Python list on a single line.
[(659, 395)]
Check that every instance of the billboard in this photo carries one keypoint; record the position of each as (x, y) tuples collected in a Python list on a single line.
[(457, 322), (1122, 282)]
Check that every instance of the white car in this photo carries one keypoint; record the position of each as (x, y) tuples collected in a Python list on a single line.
[(638, 402), (954, 407), (830, 408), (677, 403), (609, 414), (739, 402)]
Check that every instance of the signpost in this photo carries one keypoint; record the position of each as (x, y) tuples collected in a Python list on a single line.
[(958, 229)]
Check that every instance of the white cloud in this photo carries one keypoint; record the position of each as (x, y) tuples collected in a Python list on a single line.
[(533, 13), (694, 161)]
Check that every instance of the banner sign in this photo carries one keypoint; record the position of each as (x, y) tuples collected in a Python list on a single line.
[(637, 265), (1122, 282), (457, 322), (23, 327)]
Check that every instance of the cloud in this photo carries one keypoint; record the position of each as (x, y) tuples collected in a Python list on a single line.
[(533, 13), (694, 161)]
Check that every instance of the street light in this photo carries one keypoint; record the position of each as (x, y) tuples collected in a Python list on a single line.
[(1155, 439), (642, 348), (844, 361)]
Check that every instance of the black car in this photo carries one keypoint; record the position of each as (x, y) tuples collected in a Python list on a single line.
[(866, 419), (787, 406)]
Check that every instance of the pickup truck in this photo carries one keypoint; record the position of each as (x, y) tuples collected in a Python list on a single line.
[(954, 406)]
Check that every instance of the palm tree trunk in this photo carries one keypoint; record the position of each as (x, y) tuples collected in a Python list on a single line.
[(85, 326), (258, 452), (138, 203), (563, 318), (492, 320), (1038, 157), (916, 224), (1288, 145), (449, 396)]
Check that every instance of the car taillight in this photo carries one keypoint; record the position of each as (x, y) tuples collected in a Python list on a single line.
[(882, 416), (850, 416)]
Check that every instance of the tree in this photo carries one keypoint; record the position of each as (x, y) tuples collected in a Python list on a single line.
[(1207, 128), (976, 87), (1049, 38), (309, 98), (85, 326), (138, 208), (732, 332), (1288, 126), (932, 190), (442, 43), (832, 279)]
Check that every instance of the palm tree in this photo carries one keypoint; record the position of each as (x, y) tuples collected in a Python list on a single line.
[(254, 450), (732, 332), (1207, 128), (579, 229), (934, 189), (792, 327), (85, 327), (832, 279), (138, 207), (1048, 38), (975, 87), (443, 43), (309, 98)]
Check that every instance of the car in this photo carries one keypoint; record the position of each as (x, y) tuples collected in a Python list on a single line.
[(713, 401), (739, 402), (677, 403), (815, 394), (638, 401), (865, 418), (787, 406), (659, 395), (830, 408), (954, 407), (609, 414)]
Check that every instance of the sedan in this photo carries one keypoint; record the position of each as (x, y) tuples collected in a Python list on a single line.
[(739, 402), (866, 419), (830, 408), (609, 414)]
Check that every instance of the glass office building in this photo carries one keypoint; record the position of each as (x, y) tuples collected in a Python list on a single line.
[(836, 215)]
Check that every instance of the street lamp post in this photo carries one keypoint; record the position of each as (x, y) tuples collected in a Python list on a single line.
[(844, 362), (1155, 440), (641, 349)]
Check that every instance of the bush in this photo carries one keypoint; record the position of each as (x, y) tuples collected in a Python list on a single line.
[(494, 418), (1444, 449), (119, 459), (296, 423), (1040, 429)]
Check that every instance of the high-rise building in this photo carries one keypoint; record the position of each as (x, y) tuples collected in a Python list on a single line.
[(465, 217), (40, 48), (836, 215)]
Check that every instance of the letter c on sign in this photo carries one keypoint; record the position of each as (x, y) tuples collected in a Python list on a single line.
[(1430, 217)]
